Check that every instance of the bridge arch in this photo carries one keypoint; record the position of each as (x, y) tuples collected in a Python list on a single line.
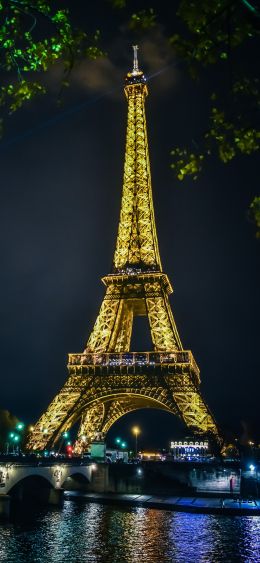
[(76, 479), (17, 475), (34, 487), (19, 479)]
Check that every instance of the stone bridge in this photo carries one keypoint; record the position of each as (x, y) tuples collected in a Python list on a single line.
[(40, 480)]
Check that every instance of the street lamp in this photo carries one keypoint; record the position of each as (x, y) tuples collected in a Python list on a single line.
[(118, 443), (63, 437), (15, 439), (253, 471), (10, 436), (20, 426), (136, 431)]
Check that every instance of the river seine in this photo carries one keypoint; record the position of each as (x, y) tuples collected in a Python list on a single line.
[(80, 533)]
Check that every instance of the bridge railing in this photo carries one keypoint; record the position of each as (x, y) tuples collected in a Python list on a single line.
[(32, 461)]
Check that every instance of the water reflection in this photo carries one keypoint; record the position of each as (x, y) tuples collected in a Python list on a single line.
[(146, 535), (95, 533), (216, 539)]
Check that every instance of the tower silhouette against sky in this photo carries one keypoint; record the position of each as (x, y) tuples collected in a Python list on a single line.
[(108, 379)]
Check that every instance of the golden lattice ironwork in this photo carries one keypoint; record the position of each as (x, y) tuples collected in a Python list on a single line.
[(108, 380)]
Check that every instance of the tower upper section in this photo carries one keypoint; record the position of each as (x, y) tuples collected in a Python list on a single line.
[(137, 245)]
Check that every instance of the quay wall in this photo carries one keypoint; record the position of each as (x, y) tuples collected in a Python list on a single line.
[(162, 478)]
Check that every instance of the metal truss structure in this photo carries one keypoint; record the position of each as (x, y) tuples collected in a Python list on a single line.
[(107, 380)]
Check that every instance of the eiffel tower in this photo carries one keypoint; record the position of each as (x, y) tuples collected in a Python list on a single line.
[(108, 380)]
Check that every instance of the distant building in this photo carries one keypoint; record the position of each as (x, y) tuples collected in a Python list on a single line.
[(151, 456), (189, 449), (113, 456)]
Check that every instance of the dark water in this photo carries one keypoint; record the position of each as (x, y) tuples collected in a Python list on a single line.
[(81, 533)]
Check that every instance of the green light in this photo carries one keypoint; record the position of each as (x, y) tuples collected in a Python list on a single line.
[(118, 440), (123, 445), (20, 426), (251, 7), (16, 438), (65, 434), (68, 444), (11, 435)]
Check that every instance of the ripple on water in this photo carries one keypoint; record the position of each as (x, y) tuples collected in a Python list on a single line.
[(95, 533)]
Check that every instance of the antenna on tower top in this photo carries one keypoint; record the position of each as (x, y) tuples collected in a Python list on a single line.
[(135, 67), (135, 76)]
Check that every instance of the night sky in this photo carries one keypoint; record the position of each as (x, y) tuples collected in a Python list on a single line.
[(61, 180)]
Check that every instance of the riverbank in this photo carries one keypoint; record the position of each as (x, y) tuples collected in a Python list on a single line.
[(201, 505)]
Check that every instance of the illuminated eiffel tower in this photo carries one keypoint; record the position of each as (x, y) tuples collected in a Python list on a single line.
[(108, 380)]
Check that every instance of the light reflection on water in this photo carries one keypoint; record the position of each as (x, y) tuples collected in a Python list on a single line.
[(96, 533)]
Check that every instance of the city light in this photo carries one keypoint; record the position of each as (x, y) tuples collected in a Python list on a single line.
[(251, 467), (14, 438), (136, 431), (69, 450), (121, 443)]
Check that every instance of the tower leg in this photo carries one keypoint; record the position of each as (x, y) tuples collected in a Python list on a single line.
[(90, 427), (192, 409), (163, 329), (52, 423)]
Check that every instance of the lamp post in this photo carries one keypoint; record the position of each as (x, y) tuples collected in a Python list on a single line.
[(15, 440), (10, 437), (20, 428), (123, 447), (253, 471), (118, 442), (136, 431)]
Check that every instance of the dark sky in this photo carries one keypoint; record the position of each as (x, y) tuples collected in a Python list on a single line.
[(61, 179)]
